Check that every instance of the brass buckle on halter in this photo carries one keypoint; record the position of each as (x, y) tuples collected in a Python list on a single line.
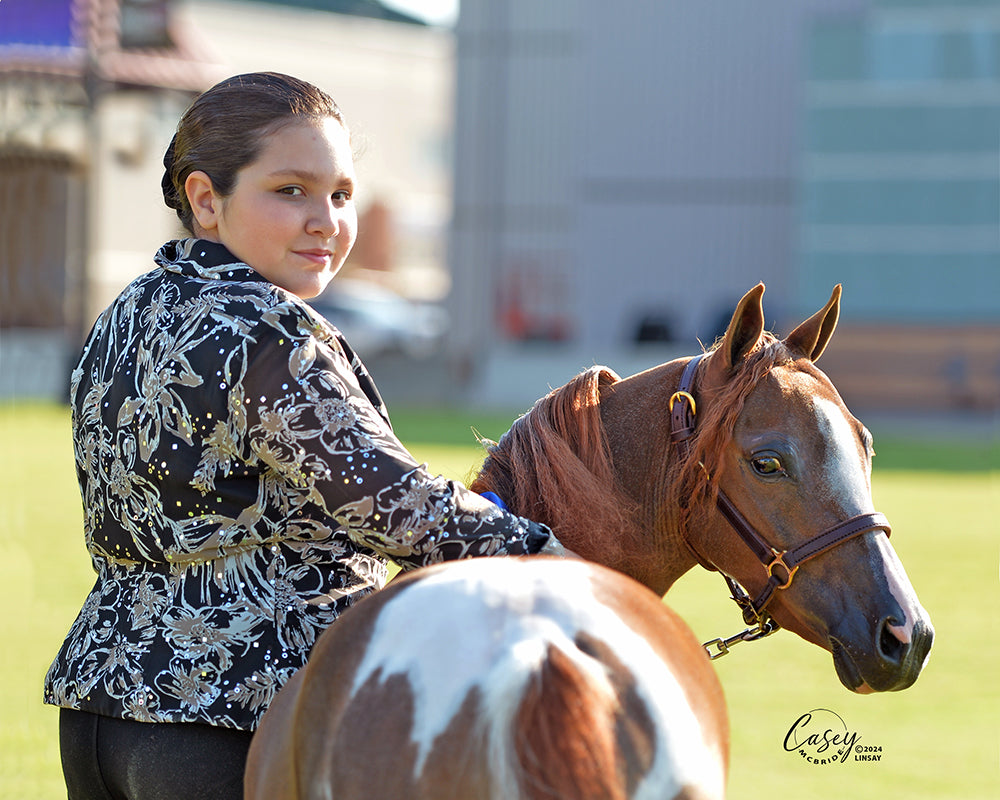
[(779, 561), (682, 396)]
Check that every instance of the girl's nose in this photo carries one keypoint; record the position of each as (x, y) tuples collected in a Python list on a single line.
[(326, 219)]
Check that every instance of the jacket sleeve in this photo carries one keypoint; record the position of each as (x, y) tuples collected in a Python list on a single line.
[(331, 452)]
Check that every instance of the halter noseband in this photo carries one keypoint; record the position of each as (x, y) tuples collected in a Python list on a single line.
[(780, 565)]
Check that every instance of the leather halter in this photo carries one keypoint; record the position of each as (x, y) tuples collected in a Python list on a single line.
[(780, 565)]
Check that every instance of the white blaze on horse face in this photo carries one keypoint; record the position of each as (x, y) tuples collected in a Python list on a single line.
[(486, 624), (902, 591), (845, 474), (848, 480)]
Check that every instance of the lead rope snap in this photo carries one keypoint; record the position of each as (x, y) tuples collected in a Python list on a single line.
[(717, 648)]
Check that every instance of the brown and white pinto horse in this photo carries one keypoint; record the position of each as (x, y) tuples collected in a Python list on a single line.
[(499, 679), (745, 460)]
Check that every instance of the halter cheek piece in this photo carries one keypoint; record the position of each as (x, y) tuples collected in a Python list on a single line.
[(779, 565)]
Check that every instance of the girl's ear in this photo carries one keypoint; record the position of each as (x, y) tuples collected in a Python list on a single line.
[(205, 204)]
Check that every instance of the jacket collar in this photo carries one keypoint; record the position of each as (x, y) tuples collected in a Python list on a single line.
[(202, 258)]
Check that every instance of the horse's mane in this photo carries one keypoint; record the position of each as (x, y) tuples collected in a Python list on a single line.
[(691, 482), (554, 467)]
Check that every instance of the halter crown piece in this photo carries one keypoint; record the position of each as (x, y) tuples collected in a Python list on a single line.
[(779, 565)]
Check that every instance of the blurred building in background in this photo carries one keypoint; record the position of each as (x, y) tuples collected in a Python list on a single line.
[(585, 183), (899, 199), (89, 91), (624, 175)]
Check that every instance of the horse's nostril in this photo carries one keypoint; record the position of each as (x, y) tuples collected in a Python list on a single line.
[(892, 642)]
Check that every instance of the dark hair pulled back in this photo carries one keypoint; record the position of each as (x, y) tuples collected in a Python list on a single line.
[(223, 130)]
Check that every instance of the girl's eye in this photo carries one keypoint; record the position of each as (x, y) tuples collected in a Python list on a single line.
[(292, 191), (767, 465), (341, 197)]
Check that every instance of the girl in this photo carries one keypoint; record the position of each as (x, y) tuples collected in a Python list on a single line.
[(240, 479)]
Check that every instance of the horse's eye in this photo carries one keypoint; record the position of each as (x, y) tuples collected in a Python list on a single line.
[(767, 465)]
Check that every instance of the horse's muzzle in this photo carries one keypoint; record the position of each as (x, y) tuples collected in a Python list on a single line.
[(892, 662)]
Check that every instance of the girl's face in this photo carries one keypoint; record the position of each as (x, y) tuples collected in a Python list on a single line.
[(291, 215)]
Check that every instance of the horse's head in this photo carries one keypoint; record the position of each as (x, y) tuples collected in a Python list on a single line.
[(794, 525), (795, 463)]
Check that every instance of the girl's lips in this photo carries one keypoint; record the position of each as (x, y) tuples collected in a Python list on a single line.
[(320, 257)]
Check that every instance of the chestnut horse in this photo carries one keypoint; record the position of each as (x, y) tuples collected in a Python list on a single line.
[(767, 479), (744, 460)]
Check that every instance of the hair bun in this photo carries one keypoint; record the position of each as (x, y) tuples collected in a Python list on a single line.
[(170, 194)]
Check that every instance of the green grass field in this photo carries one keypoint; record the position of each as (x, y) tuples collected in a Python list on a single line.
[(938, 739)]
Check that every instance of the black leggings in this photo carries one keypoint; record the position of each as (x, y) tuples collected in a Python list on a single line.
[(106, 758)]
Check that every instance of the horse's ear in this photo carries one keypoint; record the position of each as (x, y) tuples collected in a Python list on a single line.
[(811, 337), (745, 328)]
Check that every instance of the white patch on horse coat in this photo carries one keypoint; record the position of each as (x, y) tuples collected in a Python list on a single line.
[(849, 483), (487, 624), (844, 474), (902, 590)]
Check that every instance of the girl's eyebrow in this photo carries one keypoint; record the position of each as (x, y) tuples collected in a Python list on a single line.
[(291, 172), (306, 176)]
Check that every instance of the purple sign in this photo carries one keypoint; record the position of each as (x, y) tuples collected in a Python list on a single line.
[(37, 22)]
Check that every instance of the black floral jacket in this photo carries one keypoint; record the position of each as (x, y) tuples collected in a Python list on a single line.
[(241, 486)]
